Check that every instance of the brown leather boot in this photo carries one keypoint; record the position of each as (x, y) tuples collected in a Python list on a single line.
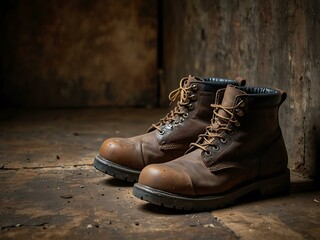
[(242, 151), (124, 158)]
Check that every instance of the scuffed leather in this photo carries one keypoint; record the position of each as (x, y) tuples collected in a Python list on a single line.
[(153, 147), (253, 151)]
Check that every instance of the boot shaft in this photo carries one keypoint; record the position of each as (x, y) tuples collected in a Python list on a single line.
[(242, 151), (251, 137)]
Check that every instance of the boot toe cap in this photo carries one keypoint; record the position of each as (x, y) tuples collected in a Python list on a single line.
[(111, 148), (122, 151), (166, 178)]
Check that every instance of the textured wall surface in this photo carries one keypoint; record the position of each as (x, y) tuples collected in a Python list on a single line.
[(270, 43), (79, 52), (104, 53)]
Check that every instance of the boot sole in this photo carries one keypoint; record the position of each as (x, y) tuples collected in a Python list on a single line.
[(276, 185), (116, 170)]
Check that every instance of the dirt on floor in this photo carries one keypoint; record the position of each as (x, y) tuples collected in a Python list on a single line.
[(50, 190)]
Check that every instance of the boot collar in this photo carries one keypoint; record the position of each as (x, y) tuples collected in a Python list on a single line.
[(257, 96)]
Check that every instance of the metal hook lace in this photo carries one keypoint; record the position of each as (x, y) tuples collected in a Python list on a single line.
[(219, 123), (183, 92)]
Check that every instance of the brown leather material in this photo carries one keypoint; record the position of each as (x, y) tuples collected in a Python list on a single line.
[(189, 176), (172, 135), (243, 144)]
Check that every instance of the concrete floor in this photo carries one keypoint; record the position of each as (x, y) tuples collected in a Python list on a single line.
[(50, 190)]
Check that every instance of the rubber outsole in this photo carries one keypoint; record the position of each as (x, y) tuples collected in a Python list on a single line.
[(116, 170), (276, 185)]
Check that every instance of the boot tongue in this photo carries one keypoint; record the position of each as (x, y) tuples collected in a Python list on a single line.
[(229, 97)]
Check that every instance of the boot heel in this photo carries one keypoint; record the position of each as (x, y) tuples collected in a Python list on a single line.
[(279, 185)]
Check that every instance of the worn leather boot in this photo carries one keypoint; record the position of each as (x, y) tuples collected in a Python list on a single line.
[(242, 151), (124, 158)]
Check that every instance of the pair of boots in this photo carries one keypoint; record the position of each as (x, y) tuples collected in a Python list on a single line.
[(220, 142)]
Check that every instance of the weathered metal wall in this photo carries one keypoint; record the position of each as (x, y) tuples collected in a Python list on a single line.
[(270, 43), (78, 52)]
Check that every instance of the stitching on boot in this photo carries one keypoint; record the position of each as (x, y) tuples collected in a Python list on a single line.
[(172, 146), (224, 165)]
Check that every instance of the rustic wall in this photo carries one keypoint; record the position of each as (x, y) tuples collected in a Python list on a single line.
[(78, 52), (270, 43), (103, 53)]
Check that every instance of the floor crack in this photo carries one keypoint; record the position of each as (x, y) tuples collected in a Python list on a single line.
[(4, 168)]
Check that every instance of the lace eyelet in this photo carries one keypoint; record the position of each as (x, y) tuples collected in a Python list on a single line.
[(169, 126), (181, 120), (176, 122), (207, 153), (190, 106), (239, 112), (193, 97), (194, 87), (161, 132), (237, 123), (215, 147), (223, 140), (185, 115), (242, 104), (231, 132)]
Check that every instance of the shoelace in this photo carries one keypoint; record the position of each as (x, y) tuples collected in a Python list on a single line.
[(179, 110), (218, 124)]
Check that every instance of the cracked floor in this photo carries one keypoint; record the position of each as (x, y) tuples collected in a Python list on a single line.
[(50, 190)]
